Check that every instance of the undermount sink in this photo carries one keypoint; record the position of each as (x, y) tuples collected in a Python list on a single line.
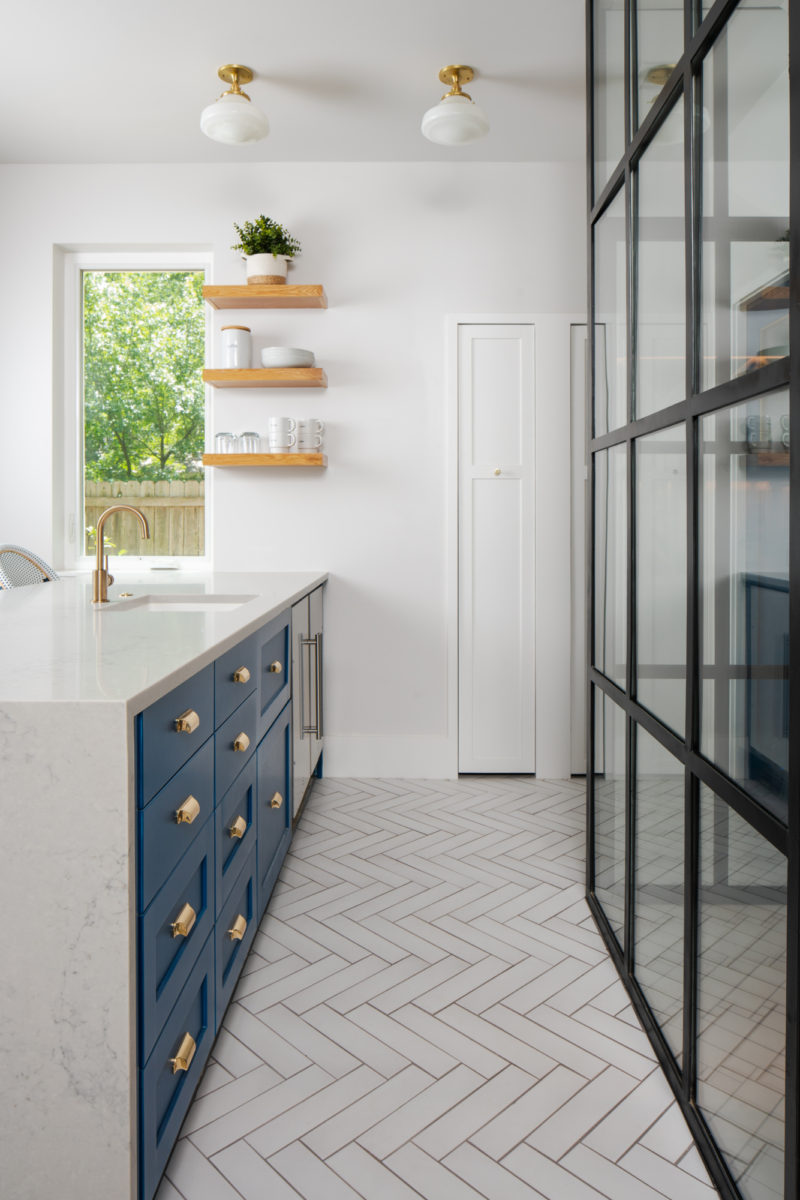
[(200, 602)]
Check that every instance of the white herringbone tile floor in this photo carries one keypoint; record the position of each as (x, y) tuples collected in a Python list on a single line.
[(428, 1011)]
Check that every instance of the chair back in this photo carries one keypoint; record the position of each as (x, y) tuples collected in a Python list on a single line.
[(20, 567)]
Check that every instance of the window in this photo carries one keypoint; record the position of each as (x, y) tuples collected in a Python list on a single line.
[(139, 413)]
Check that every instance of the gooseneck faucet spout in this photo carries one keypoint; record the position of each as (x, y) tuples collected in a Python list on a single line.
[(100, 576)]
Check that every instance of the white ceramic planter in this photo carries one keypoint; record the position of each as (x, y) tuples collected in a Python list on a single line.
[(266, 268)]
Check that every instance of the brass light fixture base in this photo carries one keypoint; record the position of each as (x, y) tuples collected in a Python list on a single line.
[(235, 74), (455, 76)]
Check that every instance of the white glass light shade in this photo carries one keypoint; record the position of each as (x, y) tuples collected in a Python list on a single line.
[(233, 119), (454, 121)]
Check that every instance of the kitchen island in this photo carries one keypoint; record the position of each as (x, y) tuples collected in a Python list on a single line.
[(78, 774)]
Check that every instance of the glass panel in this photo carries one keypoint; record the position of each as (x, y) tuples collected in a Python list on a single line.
[(609, 811), (741, 1002), (658, 891), (610, 569), (659, 37), (609, 89), (144, 409), (744, 575), (610, 334), (661, 274), (745, 260), (661, 574)]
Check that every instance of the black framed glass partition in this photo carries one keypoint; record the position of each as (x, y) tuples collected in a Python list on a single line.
[(693, 865)]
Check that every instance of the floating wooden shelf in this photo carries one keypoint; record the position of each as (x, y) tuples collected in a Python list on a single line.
[(772, 458), (265, 460), (266, 295), (266, 377)]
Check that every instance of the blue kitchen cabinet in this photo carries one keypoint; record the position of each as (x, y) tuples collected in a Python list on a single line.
[(214, 777)]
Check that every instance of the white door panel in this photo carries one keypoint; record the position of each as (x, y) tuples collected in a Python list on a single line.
[(496, 549)]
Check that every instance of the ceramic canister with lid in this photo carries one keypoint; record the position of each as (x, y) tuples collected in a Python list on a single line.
[(236, 346)]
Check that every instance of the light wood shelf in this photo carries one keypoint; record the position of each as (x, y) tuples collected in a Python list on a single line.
[(266, 295), (266, 377), (265, 460)]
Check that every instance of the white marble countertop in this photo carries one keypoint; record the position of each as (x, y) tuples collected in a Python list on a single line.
[(55, 645)]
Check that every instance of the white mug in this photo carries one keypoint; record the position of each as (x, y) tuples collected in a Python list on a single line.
[(309, 425), (279, 443), (281, 425), (309, 441)]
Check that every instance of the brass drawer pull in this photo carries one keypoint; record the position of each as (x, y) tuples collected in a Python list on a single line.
[(241, 742), (183, 1059), (238, 829), (183, 924), (275, 668), (276, 801), (187, 811), (238, 929), (242, 675), (187, 722)]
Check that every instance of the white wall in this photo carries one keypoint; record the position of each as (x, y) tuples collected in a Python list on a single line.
[(398, 246)]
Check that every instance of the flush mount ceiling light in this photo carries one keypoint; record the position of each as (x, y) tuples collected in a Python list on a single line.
[(233, 118), (456, 119)]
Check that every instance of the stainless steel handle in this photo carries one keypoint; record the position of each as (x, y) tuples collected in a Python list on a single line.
[(301, 642), (313, 729), (318, 637)]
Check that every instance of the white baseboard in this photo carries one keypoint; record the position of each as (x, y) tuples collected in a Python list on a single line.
[(390, 757)]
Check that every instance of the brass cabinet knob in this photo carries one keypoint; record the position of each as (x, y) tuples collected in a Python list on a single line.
[(276, 801), (241, 675), (241, 742), (238, 929), (185, 1053), (238, 828), (187, 811), (183, 924), (187, 722), (275, 668)]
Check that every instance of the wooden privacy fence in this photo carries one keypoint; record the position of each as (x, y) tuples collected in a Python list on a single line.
[(175, 511)]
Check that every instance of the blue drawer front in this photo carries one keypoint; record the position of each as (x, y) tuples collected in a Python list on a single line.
[(237, 805), (166, 960), (274, 780), (165, 1095), (230, 689), (274, 686), (230, 761), (231, 951), (163, 837), (162, 748)]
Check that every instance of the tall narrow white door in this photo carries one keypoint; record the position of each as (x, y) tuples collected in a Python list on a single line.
[(496, 548)]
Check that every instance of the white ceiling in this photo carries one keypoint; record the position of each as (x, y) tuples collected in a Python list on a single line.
[(340, 80)]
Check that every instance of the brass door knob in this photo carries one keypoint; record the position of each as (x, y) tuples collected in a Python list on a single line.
[(275, 668), (238, 829), (187, 811), (183, 924), (187, 722), (241, 742), (276, 801), (238, 929), (185, 1053), (241, 675)]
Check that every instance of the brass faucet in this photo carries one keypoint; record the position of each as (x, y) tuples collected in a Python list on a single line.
[(100, 575)]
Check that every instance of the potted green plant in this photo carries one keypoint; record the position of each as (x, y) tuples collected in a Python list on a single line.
[(267, 248)]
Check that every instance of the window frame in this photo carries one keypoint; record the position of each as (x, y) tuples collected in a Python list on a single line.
[(71, 433)]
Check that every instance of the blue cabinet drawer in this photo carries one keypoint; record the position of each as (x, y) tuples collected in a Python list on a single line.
[(274, 799), (234, 743), (235, 820), (236, 928), (173, 819), (172, 729), (235, 677), (165, 1090), (171, 932), (274, 669)]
